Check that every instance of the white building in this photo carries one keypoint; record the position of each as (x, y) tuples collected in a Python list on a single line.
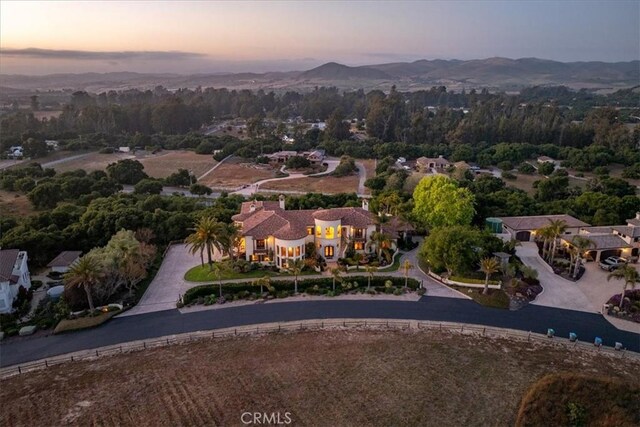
[(14, 273)]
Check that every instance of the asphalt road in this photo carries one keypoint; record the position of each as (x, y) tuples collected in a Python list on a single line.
[(153, 325)]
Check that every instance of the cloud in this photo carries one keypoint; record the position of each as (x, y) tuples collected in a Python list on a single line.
[(97, 55)]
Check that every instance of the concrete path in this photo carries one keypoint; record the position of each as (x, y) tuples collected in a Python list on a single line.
[(168, 284), (362, 177), (557, 292), (255, 187)]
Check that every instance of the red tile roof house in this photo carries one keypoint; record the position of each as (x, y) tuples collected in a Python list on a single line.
[(272, 234), (14, 273)]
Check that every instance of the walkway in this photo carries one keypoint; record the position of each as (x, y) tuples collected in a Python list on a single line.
[(214, 167), (557, 292), (153, 325)]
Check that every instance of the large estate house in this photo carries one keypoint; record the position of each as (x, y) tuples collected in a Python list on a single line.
[(270, 233)]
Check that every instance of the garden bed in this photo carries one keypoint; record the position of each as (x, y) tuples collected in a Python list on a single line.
[(496, 298), (208, 294), (88, 321), (630, 306)]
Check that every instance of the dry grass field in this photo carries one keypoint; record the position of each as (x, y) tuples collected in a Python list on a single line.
[(235, 172), (92, 162), (320, 184), (14, 204), (525, 182), (165, 163), (330, 378)]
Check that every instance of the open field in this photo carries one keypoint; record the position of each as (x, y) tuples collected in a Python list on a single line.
[(14, 204), (236, 171), (321, 378), (165, 163), (92, 162), (525, 182), (320, 184)]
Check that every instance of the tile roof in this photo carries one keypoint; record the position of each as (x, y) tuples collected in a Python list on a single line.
[(605, 241), (64, 259), (539, 221), (8, 259), (269, 220), (634, 221)]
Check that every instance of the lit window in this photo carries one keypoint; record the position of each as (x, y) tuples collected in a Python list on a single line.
[(283, 251), (328, 233), (358, 246), (297, 250), (328, 251), (318, 231), (309, 231), (290, 252)]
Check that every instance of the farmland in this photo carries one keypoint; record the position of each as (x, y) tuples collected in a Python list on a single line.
[(321, 378), (235, 172)]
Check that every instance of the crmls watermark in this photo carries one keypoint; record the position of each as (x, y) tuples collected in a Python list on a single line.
[(264, 418)]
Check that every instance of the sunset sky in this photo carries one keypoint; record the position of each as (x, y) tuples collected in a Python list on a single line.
[(190, 37)]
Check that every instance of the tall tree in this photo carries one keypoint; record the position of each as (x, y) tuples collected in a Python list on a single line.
[(86, 273), (439, 201), (488, 266)]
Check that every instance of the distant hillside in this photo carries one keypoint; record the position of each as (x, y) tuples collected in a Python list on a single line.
[(335, 71), (491, 73)]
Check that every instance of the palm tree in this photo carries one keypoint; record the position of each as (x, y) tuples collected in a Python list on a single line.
[(206, 236), (546, 234), (85, 273), (558, 227), (580, 244), (406, 266), (489, 266), (295, 267), (263, 281), (380, 240), (229, 239), (337, 275), (629, 275), (370, 269), (218, 269)]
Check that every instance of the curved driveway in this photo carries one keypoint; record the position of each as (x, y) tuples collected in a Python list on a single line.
[(153, 325)]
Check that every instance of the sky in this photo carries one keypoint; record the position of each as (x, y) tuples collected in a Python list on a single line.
[(209, 37)]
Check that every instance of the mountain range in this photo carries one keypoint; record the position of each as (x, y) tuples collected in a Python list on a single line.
[(492, 73)]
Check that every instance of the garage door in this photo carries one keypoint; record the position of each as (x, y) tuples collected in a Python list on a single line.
[(523, 236), (610, 252)]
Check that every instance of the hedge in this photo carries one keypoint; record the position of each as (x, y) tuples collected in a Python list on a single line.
[(472, 281), (377, 283)]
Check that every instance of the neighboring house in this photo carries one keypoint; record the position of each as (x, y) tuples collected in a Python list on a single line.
[(281, 156), (545, 159), (124, 149), (64, 261), (523, 228), (288, 140), (614, 240), (439, 163), (315, 156), (14, 273), (270, 233), (51, 144)]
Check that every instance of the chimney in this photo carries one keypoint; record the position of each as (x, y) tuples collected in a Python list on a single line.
[(637, 215), (365, 204), (281, 200), (252, 206)]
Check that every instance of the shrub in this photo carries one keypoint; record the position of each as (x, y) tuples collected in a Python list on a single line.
[(509, 176)]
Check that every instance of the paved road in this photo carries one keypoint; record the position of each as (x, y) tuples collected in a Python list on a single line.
[(558, 292), (153, 325), (214, 167)]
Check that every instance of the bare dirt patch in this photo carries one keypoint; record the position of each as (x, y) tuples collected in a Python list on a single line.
[(235, 172), (322, 378), (14, 204), (92, 162), (167, 162), (320, 184)]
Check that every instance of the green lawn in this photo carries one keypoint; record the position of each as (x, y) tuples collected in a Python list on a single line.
[(496, 298), (393, 267), (203, 274)]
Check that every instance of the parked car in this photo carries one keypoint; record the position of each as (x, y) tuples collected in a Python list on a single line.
[(612, 263)]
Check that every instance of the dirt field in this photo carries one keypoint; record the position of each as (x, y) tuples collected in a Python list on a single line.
[(525, 182), (167, 162), (235, 172), (14, 204), (320, 184), (331, 378)]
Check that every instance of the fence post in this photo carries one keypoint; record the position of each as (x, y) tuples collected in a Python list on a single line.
[(344, 323), (144, 345), (440, 326), (257, 329), (365, 323), (96, 353), (529, 336), (72, 358), (213, 334), (235, 331), (19, 370), (45, 363), (483, 331), (322, 325)]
